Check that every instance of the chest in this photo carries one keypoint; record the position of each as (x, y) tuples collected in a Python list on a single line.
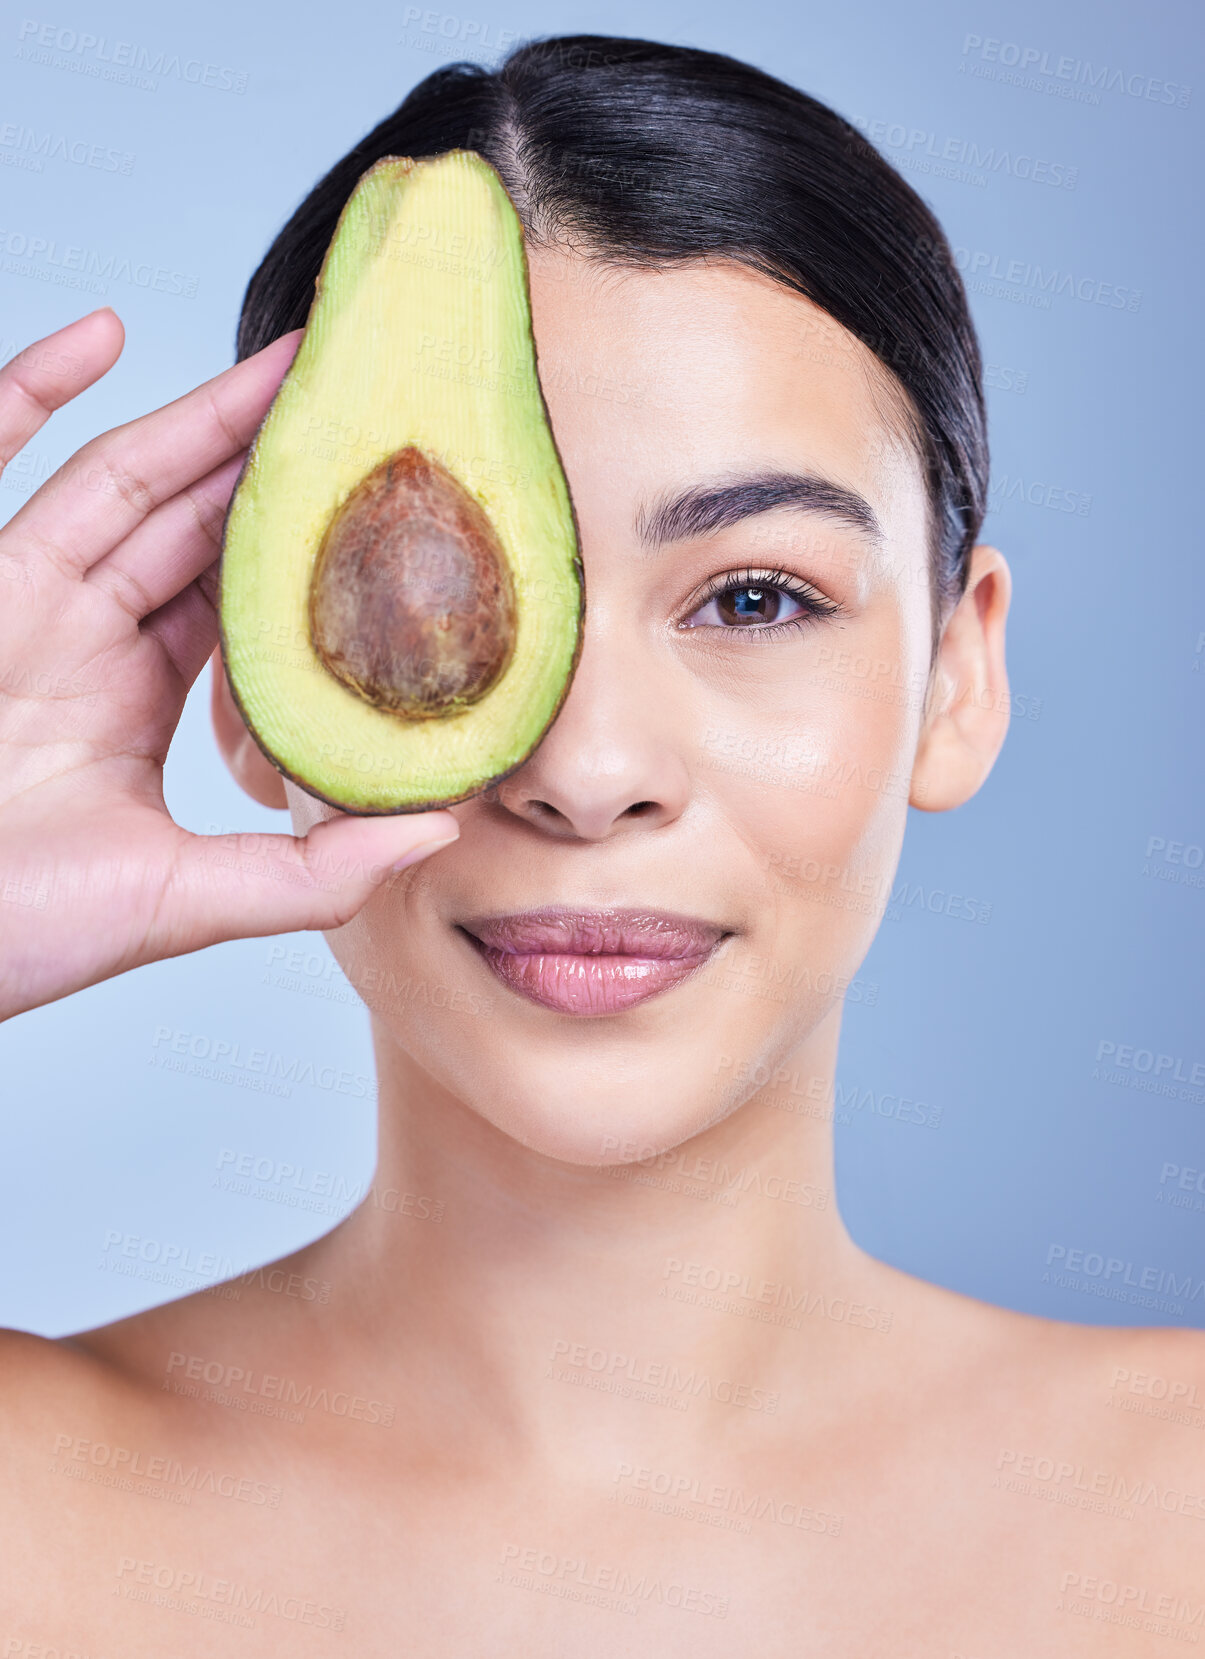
[(924, 1560)]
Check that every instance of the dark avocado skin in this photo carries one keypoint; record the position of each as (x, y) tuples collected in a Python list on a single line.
[(577, 569)]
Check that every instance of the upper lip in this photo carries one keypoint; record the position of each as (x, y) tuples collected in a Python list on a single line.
[(564, 930)]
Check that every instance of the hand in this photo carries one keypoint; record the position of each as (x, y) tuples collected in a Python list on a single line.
[(108, 583)]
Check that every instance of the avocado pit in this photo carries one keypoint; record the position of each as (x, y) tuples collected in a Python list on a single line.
[(411, 601)]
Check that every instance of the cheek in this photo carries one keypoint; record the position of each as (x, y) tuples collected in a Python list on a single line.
[(304, 810), (379, 949), (816, 781)]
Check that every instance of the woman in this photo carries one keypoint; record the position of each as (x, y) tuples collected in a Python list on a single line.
[(615, 1378)]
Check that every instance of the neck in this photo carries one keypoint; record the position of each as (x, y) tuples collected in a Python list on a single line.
[(610, 1312)]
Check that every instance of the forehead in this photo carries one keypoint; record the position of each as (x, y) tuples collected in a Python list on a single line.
[(710, 366)]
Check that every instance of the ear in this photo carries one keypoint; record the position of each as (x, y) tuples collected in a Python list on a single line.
[(249, 766), (967, 716)]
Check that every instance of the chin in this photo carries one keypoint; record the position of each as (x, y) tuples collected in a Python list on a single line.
[(588, 1092)]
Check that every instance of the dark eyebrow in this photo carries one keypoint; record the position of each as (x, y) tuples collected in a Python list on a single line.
[(698, 511)]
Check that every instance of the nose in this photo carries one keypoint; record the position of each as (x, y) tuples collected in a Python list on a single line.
[(610, 763)]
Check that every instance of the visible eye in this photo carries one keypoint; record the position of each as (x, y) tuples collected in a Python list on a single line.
[(760, 602)]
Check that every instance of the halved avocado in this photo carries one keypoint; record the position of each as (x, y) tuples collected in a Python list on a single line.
[(402, 596)]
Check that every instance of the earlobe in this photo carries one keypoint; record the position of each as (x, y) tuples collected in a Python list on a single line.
[(967, 719), (248, 765)]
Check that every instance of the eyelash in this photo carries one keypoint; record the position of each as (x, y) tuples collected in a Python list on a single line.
[(816, 606)]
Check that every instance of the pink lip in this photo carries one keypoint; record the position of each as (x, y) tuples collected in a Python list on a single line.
[(594, 961)]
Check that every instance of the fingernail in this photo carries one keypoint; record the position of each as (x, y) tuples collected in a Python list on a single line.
[(421, 851)]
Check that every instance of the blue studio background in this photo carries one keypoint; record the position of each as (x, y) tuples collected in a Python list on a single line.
[(1037, 979)]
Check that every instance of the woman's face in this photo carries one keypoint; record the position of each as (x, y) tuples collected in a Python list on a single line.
[(750, 770)]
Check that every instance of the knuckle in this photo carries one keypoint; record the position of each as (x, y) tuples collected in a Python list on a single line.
[(207, 585), (134, 491), (125, 588), (222, 420), (208, 515), (16, 378), (99, 464)]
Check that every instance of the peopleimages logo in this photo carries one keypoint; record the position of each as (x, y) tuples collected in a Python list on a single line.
[(968, 161), (623, 1369), (122, 1465), (231, 1381), (73, 266), (224, 1060), (1074, 1268), (119, 60), (37, 147), (1064, 73), (682, 1490), (1178, 862), (1005, 488), (1173, 1075), (464, 31), (531, 1567), (1039, 284), (189, 1587)]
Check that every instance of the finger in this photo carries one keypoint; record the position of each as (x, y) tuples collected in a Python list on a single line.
[(187, 626), (51, 371), (249, 886), (171, 547), (111, 485)]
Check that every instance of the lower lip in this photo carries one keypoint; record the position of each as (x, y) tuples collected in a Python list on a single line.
[(583, 985)]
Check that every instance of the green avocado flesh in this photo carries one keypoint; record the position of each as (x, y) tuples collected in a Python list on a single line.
[(401, 598)]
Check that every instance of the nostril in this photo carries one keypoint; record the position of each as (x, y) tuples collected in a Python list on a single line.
[(641, 806)]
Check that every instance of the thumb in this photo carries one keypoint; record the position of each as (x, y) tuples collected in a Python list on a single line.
[(247, 886)]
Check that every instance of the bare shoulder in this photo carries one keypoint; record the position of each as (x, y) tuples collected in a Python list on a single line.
[(1140, 1386), (124, 1375), (1149, 1383), (1100, 1388), (57, 1404), (1034, 1372), (42, 1378), (79, 1407), (1099, 1427), (105, 1465), (57, 1394), (1156, 1373), (113, 1478), (1105, 1432)]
